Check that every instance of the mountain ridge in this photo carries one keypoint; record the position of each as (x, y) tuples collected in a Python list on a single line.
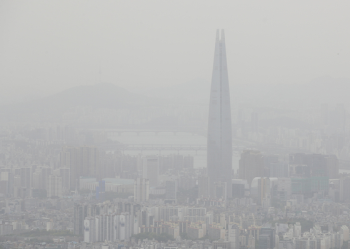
[(98, 96)]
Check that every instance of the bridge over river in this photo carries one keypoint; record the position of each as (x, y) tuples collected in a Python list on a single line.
[(153, 131), (160, 147), (168, 147)]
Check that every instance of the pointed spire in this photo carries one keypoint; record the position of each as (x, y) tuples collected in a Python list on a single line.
[(217, 35), (222, 36)]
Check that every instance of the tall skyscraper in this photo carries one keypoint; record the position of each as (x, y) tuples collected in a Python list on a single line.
[(219, 144)]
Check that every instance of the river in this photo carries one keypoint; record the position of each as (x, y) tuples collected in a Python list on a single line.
[(164, 138)]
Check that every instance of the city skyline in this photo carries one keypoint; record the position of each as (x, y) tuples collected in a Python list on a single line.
[(135, 154)]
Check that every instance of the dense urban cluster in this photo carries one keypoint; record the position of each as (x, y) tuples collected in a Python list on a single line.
[(58, 193)]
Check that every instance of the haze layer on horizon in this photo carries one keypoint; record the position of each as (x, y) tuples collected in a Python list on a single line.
[(48, 46)]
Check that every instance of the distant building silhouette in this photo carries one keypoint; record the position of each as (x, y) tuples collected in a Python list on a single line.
[(82, 161), (203, 187), (141, 190), (150, 170), (54, 186), (251, 165), (171, 190)]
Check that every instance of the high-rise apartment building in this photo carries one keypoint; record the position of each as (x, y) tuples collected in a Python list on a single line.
[(54, 186), (26, 177), (251, 165), (26, 181), (274, 166), (141, 190), (238, 188), (45, 173), (220, 190), (89, 161), (150, 170), (4, 183), (70, 158), (332, 166), (36, 180), (108, 227), (81, 211), (344, 193), (266, 238), (89, 230), (219, 143), (284, 188), (314, 165), (40, 177), (233, 234), (9, 177), (82, 161), (65, 174), (171, 190), (203, 187)]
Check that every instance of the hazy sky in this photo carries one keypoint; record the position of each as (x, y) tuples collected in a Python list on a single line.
[(47, 46)]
